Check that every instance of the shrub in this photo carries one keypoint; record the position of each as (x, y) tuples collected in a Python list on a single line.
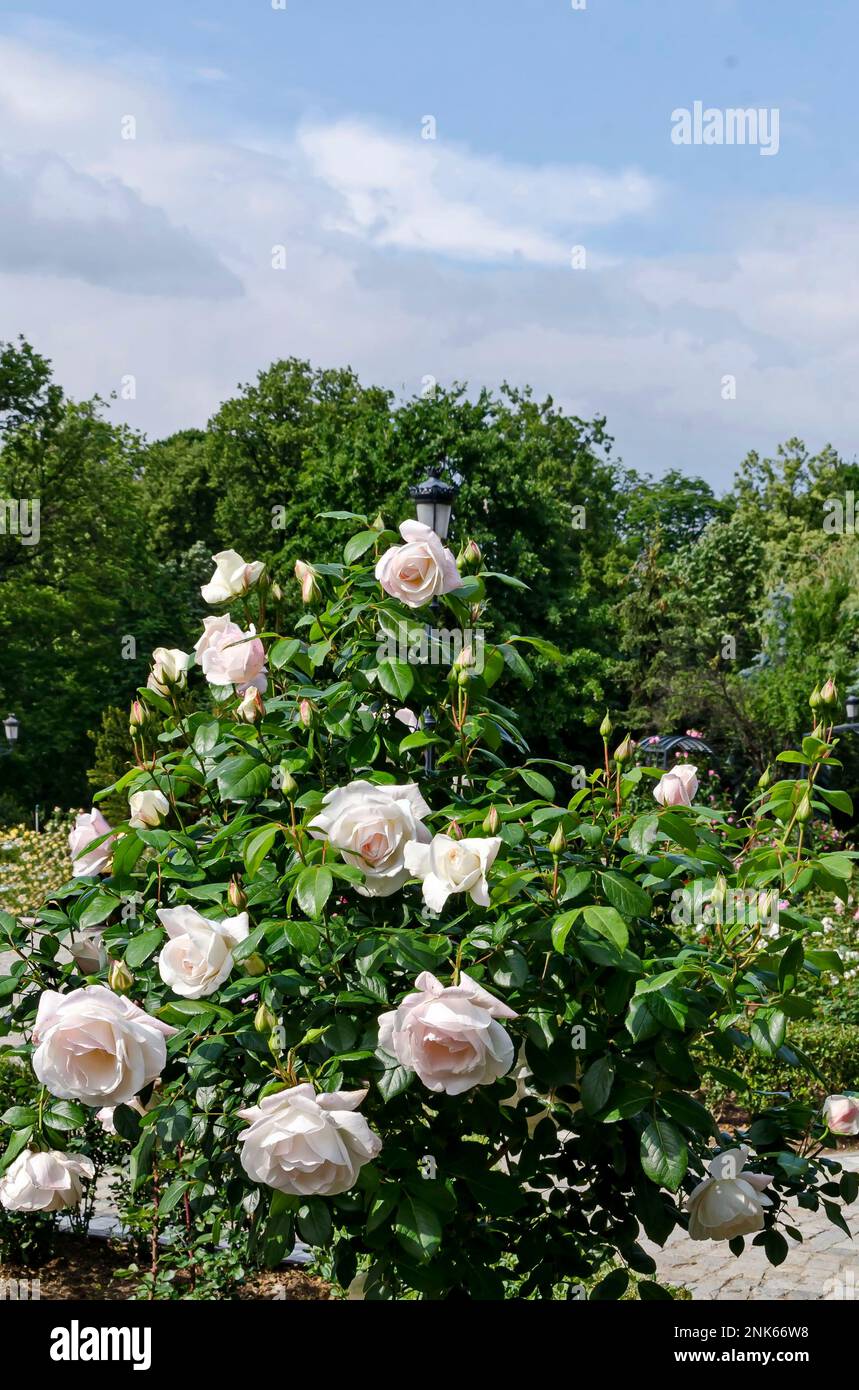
[(831, 1048), (395, 989)]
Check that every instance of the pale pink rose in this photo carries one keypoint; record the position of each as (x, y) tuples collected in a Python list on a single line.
[(232, 577), (87, 950), (420, 570), (229, 656), (373, 825), (307, 1144), (409, 718), (90, 826), (841, 1113), (677, 787), (199, 955), (730, 1202), (449, 1036), (309, 581), (96, 1046), (37, 1181), (452, 866)]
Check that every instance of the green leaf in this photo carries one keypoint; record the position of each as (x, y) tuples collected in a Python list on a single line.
[(283, 652), (314, 1220), (596, 1084), (611, 1288), (98, 909), (141, 947), (313, 889), (537, 782), (173, 1195), (678, 828), (66, 1114), (17, 1144), (609, 923), (396, 677), (767, 1030), (664, 1155), (643, 832), (393, 1080), (243, 777), (625, 894), (358, 544), (19, 1115), (257, 846), (418, 1229)]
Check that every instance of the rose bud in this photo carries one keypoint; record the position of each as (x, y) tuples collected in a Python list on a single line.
[(469, 559), (378, 524), (254, 964), (289, 785), (624, 750), (491, 822), (558, 842), (264, 1019), (136, 717), (814, 697), (236, 895), (606, 728), (305, 713), (119, 977), (309, 581), (764, 779), (276, 591), (829, 694), (803, 811)]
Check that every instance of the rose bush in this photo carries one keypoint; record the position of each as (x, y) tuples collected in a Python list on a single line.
[(381, 980)]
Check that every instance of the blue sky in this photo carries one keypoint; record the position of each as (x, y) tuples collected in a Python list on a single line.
[(150, 260)]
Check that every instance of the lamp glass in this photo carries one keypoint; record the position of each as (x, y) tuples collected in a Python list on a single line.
[(10, 726), (853, 708)]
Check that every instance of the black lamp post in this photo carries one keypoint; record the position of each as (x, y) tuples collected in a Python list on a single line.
[(433, 499), (11, 726), (852, 705)]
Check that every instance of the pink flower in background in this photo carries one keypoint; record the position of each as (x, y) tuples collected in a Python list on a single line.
[(842, 1114), (90, 826)]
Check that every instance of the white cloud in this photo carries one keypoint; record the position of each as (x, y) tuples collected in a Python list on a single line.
[(403, 258)]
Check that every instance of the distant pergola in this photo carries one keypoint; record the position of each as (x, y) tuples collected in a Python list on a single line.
[(662, 749)]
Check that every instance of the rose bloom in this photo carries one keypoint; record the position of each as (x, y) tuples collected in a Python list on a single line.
[(90, 826), (44, 1181), (677, 787), (452, 866), (842, 1113), (229, 656), (199, 955), (232, 577), (420, 570), (730, 1202), (449, 1036), (251, 706), (96, 1046), (147, 809), (372, 825), (307, 1144), (169, 668)]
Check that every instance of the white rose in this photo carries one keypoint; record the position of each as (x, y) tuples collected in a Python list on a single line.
[(449, 1036), (147, 809), (729, 1202), (452, 866), (169, 668), (90, 826), (199, 955), (307, 1144), (372, 826), (229, 656), (44, 1181), (232, 577), (677, 787), (420, 570), (96, 1046)]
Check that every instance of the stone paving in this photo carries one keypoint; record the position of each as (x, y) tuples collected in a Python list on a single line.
[(825, 1265)]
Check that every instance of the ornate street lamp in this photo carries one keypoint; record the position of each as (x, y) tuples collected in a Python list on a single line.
[(11, 726), (433, 499), (853, 708)]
